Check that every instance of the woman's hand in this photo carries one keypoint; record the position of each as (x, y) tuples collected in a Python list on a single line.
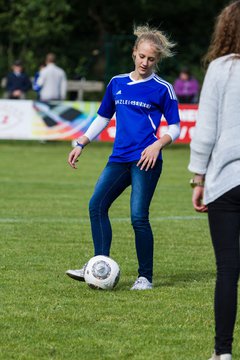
[(197, 198), (149, 156), (73, 156)]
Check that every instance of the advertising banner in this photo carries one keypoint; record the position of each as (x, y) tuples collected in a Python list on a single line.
[(67, 120), (188, 114), (15, 119)]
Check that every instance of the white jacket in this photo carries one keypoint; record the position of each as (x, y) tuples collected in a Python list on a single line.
[(215, 147), (53, 83)]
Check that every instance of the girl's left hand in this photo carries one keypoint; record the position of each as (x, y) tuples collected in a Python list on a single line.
[(197, 199), (149, 156)]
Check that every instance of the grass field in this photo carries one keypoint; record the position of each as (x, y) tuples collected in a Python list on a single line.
[(45, 230)]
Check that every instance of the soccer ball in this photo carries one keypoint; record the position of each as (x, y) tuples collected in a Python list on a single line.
[(102, 272)]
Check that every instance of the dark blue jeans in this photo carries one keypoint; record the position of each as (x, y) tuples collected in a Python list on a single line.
[(115, 178), (224, 221)]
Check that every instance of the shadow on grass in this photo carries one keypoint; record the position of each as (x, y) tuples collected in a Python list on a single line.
[(174, 280), (179, 279)]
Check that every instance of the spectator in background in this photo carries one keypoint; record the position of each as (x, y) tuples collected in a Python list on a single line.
[(52, 81), (35, 85), (18, 82), (186, 87)]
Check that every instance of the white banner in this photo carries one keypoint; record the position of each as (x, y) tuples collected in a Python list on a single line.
[(36, 120), (16, 119), (68, 120)]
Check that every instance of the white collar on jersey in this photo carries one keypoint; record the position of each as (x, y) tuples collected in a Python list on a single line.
[(133, 82)]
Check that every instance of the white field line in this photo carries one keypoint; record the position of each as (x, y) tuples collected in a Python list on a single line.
[(50, 220)]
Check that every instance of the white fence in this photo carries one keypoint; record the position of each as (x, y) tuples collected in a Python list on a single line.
[(78, 86)]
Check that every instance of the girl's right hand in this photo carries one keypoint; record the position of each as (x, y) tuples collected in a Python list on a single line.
[(74, 154)]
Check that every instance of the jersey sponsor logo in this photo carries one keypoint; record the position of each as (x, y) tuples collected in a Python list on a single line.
[(132, 102)]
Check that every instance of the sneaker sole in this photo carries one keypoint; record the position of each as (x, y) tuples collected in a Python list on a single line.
[(141, 289), (75, 277)]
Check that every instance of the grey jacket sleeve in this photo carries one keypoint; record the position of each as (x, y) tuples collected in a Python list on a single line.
[(205, 132)]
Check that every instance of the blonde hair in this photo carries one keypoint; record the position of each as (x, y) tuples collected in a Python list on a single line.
[(226, 36), (161, 42)]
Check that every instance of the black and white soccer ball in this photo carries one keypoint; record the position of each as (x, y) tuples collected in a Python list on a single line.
[(102, 272)]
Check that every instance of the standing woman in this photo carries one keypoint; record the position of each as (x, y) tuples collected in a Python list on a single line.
[(215, 160), (139, 98)]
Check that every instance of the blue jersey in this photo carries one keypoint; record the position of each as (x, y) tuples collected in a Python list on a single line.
[(139, 106)]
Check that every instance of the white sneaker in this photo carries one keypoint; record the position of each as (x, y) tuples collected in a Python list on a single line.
[(142, 283), (77, 274), (221, 357)]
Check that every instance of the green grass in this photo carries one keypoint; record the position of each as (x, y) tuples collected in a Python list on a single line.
[(45, 230)]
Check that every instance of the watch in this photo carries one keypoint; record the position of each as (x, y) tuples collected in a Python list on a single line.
[(194, 183)]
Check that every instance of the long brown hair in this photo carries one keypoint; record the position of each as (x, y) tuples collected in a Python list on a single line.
[(226, 36)]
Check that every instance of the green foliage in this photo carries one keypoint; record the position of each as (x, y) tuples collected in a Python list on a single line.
[(39, 20), (29, 24), (94, 38), (45, 230)]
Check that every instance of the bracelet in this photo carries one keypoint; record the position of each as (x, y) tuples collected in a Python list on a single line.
[(79, 144), (194, 183)]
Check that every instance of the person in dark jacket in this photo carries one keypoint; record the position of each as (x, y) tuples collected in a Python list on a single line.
[(18, 82)]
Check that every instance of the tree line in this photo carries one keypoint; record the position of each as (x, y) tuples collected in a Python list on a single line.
[(93, 39)]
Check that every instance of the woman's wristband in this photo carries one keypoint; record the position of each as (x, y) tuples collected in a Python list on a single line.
[(79, 144)]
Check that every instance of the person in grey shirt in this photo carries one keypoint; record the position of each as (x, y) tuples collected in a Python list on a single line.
[(52, 81), (215, 160)]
